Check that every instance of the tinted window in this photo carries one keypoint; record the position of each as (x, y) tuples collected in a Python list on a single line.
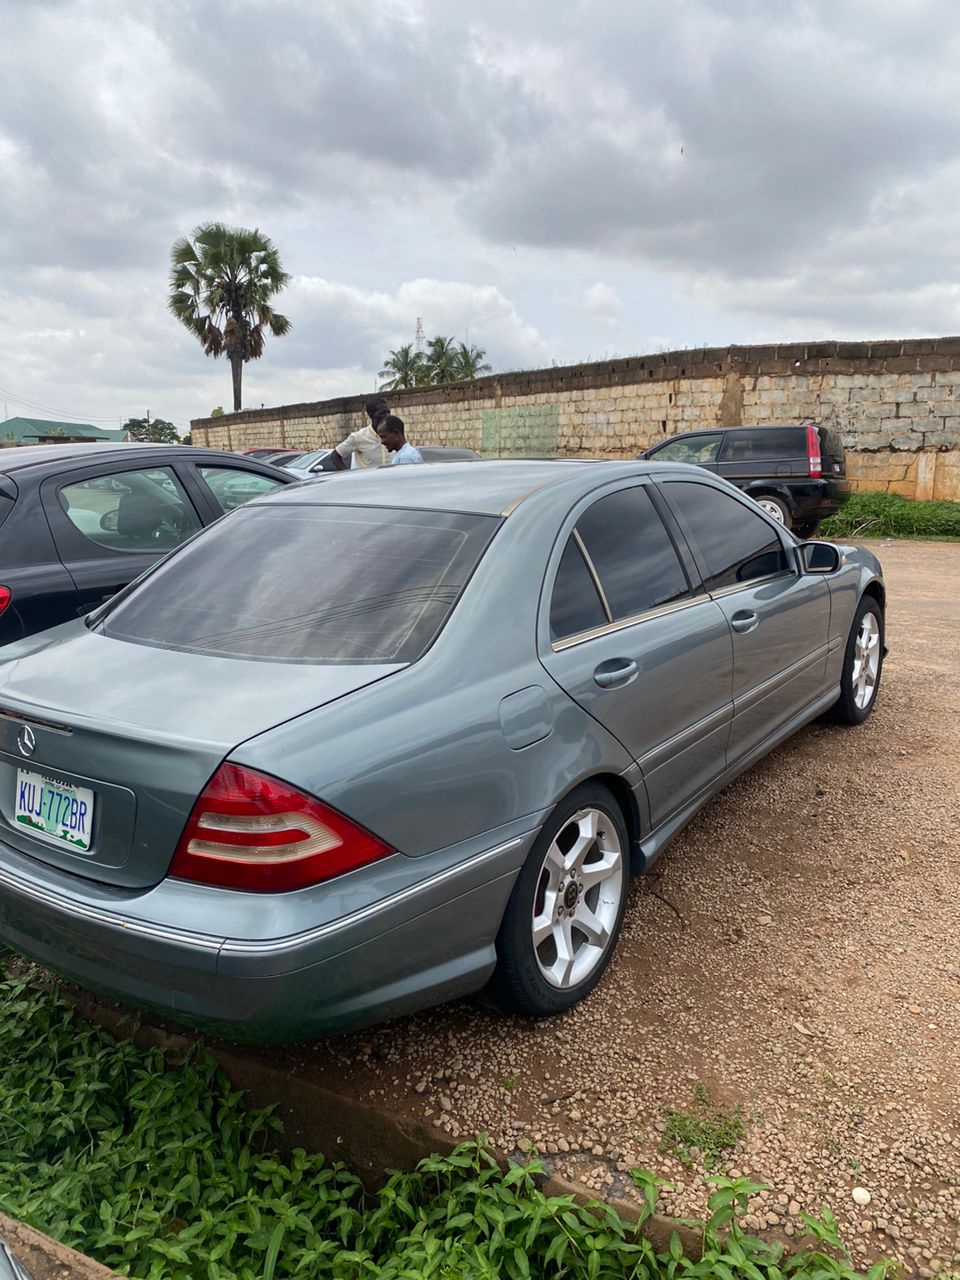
[(736, 544), (576, 605), (308, 584), (632, 553), (694, 449), (232, 487), (765, 443), (131, 510)]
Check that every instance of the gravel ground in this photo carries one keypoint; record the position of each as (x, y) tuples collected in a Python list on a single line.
[(796, 951)]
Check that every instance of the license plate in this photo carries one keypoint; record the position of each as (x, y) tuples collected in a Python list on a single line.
[(61, 812)]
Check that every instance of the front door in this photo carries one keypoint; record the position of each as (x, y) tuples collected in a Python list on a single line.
[(778, 616), (632, 642)]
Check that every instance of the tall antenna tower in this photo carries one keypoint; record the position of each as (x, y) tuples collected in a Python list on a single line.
[(418, 335)]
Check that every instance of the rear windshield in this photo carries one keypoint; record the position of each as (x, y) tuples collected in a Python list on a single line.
[(311, 584)]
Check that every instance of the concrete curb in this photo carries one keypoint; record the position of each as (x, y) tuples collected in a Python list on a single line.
[(47, 1259), (368, 1140)]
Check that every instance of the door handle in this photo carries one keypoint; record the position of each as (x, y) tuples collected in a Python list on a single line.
[(743, 621), (616, 673)]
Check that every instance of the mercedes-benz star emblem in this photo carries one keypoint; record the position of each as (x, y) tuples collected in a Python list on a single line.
[(27, 741)]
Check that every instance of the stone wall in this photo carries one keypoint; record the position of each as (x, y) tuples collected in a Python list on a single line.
[(896, 406)]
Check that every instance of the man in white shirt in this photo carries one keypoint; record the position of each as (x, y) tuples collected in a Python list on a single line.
[(362, 446), (395, 441)]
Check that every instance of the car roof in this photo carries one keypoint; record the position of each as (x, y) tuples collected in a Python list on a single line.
[(38, 454), (483, 488)]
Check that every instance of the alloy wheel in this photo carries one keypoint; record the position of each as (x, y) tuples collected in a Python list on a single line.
[(578, 898), (772, 509), (866, 661)]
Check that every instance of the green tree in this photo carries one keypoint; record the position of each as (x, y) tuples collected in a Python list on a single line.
[(403, 368), (222, 283), (155, 431), (441, 360), (471, 362), (217, 412)]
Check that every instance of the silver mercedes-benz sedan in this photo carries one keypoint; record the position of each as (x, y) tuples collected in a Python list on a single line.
[(360, 748)]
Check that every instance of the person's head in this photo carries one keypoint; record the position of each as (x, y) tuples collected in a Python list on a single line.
[(377, 409), (391, 433)]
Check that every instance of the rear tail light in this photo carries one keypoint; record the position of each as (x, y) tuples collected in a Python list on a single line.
[(6, 595), (813, 453), (251, 831)]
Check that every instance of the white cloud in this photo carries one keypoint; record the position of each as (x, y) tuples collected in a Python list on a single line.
[(602, 304)]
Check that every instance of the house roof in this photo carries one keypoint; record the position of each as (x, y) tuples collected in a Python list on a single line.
[(30, 430)]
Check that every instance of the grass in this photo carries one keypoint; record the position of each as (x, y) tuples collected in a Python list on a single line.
[(707, 1131), (887, 515), (159, 1170)]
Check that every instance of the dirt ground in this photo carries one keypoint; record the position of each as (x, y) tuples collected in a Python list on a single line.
[(796, 951)]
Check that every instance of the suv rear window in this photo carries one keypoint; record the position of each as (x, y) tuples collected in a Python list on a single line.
[(310, 584), (758, 443)]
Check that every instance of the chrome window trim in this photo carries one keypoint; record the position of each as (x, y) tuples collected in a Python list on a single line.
[(592, 570), (754, 582), (595, 632)]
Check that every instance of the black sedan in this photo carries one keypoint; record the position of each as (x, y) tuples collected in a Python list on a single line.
[(80, 521)]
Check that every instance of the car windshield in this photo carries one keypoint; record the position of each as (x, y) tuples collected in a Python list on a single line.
[(310, 584)]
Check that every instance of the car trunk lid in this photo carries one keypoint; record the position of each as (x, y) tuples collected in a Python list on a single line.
[(141, 728)]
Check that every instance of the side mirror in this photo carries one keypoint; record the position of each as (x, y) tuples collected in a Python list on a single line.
[(819, 557)]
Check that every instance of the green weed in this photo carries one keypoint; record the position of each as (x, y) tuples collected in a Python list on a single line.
[(707, 1128), (159, 1170), (887, 515)]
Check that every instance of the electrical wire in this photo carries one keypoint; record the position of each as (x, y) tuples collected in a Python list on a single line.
[(36, 406)]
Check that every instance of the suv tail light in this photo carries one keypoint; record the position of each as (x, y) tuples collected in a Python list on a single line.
[(813, 453), (6, 595), (251, 831)]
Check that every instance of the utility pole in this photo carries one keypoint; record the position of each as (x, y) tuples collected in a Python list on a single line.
[(418, 335)]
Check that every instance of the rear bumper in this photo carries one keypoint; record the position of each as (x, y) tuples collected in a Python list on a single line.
[(429, 943)]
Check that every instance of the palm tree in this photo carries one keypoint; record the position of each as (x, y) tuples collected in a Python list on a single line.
[(222, 281), (471, 362), (402, 368), (442, 360)]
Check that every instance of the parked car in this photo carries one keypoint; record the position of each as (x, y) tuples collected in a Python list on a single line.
[(320, 461), (80, 521), (274, 802), (796, 473), (280, 457), (262, 454)]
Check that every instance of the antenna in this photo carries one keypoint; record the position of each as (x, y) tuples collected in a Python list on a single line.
[(418, 335)]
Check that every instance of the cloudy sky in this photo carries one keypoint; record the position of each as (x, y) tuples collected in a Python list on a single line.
[(552, 180)]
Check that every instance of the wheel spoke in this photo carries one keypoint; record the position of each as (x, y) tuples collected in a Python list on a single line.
[(543, 926), (562, 967), (594, 873), (588, 825), (590, 925)]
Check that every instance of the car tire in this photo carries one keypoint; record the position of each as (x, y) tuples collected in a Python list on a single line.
[(775, 507), (565, 912), (808, 530), (862, 664)]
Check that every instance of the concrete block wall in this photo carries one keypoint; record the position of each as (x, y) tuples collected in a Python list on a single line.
[(896, 406)]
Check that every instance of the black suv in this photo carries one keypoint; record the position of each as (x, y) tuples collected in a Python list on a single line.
[(80, 521), (795, 473)]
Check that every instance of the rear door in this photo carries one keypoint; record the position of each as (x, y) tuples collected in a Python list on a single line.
[(638, 645), (779, 617), (111, 522)]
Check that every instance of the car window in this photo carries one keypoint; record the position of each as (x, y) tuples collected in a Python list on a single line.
[(131, 510), (308, 584), (575, 605), (232, 487), (632, 553), (695, 449), (737, 545), (760, 443)]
